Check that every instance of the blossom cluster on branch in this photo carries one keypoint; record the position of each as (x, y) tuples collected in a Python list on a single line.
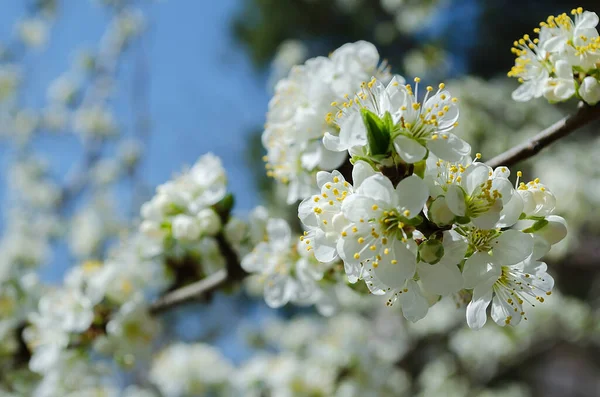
[(417, 218), (564, 61)]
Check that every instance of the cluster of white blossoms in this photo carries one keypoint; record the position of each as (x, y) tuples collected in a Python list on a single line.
[(99, 306), (564, 61), (181, 217), (296, 117), (419, 219)]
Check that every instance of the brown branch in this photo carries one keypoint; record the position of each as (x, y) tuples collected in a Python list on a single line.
[(584, 115)]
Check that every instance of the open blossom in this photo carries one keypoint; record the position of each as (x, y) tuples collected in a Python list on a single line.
[(322, 213), (296, 117), (289, 271), (577, 41), (180, 216), (382, 219), (563, 60), (526, 281), (409, 126), (472, 191), (531, 68), (187, 370)]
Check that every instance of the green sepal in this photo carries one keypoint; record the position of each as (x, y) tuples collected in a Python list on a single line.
[(463, 220), (420, 166), (536, 226), (378, 131)]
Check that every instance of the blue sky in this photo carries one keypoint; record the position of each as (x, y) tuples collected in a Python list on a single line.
[(204, 94)]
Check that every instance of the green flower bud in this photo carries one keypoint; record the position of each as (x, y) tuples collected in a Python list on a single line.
[(431, 251)]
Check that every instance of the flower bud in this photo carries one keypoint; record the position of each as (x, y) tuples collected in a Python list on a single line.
[(439, 212), (185, 227), (209, 222), (431, 251), (589, 90), (554, 230)]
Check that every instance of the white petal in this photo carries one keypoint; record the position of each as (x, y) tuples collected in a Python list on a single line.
[(279, 233), (555, 230), (439, 212), (324, 248), (361, 171), (278, 290), (503, 313), (378, 187), (306, 212), (511, 211), (451, 149), (357, 207), (394, 275), (455, 198), (414, 305), (489, 219), (440, 279), (476, 310), (412, 193), (352, 131), (511, 247), (479, 270), (455, 248), (332, 142), (409, 149), (474, 176)]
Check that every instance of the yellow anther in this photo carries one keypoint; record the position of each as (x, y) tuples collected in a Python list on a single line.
[(442, 86), (374, 207), (357, 256), (361, 240)]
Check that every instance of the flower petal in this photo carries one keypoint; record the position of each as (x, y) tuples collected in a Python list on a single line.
[(476, 310), (512, 246), (412, 193), (414, 305), (450, 149), (409, 149), (455, 198), (440, 279), (480, 270)]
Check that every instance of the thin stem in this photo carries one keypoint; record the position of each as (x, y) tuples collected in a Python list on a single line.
[(189, 292), (584, 115)]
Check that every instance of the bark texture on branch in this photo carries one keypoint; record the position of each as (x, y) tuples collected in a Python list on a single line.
[(584, 115)]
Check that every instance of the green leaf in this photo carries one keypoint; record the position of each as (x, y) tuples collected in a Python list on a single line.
[(378, 131)]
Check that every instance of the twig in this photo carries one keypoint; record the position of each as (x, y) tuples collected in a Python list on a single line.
[(232, 272), (584, 115), (189, 292)]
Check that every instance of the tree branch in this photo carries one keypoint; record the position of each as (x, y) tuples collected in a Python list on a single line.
[(233, 272), (189, 292), (584, 115)]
